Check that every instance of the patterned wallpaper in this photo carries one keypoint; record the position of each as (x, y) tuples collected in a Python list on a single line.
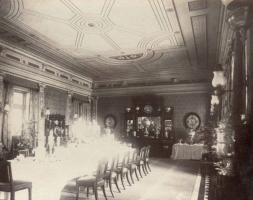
[(186, 103), (181, 103), (56, 100)]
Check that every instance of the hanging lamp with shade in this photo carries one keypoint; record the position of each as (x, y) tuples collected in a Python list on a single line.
[(219, 80), (215, 100)]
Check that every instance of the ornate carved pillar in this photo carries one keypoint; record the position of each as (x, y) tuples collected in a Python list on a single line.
[(1, 108), (41, 118), (94, 108), (89, 109), (68, 110)]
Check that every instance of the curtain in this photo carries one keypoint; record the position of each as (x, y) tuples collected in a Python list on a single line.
[(33, 115), (80, 108), (7, 118)]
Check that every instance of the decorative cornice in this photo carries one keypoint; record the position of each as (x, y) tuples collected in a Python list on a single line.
[(22, 71), (169, 89), (12, 47)]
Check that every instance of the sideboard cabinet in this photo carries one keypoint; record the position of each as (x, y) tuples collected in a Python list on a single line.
[(149, 122)]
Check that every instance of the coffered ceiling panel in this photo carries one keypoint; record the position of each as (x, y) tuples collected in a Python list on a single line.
[(88, 6), (56, 9), (96, 43), (126, 14), (49, 28), (105, 39), (168, 60), (119, 37)]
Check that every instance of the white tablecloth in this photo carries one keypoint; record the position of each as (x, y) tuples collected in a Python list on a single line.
[(50, 175), (185, 151)]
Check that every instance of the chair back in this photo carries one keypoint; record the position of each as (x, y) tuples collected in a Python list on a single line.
[(102, 167), (147, 151), (135, 155), (115, 163), (125, 160), (5, 172), (142, 153)]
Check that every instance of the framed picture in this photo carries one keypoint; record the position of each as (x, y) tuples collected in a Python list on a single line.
[(110, 121), (192, 121)]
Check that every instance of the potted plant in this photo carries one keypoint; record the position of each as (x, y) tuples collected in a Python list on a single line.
[(207, 137), (27, 137)]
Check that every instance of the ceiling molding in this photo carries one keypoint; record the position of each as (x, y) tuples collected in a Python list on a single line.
[(169, 89), (22, 71)]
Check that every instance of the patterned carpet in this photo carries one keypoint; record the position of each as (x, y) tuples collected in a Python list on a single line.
[(169, 180)]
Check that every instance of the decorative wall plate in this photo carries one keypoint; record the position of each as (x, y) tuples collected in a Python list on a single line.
[(110, 121), (192, 121), (148, 109)]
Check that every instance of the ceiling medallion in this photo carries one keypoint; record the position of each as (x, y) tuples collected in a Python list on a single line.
[(128, 57), (91, 24)]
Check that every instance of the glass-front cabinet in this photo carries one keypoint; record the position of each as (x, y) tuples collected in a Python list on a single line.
[(149, 122)]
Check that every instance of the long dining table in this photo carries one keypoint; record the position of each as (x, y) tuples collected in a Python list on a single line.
[(49, 175), (188, 152)]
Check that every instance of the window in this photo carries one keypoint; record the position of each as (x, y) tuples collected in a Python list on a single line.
[(20, 109)]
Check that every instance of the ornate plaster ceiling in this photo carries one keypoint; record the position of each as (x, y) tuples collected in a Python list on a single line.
[(114, 40)]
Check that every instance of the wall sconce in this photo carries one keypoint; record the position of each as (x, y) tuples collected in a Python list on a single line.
[(167, 109), (75, 116), (219, 80), (128, 109), (47, 113), (215, 100), (137, 109), (5, 109), (159, 109)]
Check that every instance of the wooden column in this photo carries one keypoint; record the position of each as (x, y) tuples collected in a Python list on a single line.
[(94, 108), (1, 108), (41, 117)]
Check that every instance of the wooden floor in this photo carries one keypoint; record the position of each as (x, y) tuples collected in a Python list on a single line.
[(168, 180)]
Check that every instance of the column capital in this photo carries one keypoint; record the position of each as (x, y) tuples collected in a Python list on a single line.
[(42, 87), (70, 93)]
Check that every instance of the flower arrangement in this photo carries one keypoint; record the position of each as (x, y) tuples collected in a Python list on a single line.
[(207, 136), (28, 134)]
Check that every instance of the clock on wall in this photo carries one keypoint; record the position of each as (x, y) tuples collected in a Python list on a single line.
[(192, 121), (148, 109)]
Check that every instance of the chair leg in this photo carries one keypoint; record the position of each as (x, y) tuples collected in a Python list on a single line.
[(87, 191), (128, 179), (30, 193), (143, 168), (136, 174), (139, 167), (115, 180), (121, 177), (110, 186), (148, 167), (131, 176), (12, 195), (77, 192), (96, 192), (103, 187)]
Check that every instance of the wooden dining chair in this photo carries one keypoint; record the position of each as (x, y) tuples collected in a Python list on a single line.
[(7, 184), (111, 174), (132, 166), (146, 159), (140, 161), (94, 181), (122, 171)]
